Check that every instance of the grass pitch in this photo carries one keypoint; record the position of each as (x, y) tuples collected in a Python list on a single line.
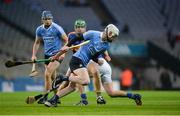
[(154, 103)]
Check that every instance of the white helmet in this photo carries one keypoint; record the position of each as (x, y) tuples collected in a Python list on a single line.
[(111, 31)]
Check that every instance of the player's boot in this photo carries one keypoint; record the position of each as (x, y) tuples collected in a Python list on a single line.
[(101, 100), (82, 103), (42, 100), (137, 98), (52, 102)]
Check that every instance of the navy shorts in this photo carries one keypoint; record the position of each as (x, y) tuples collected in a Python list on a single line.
[(76, 63)]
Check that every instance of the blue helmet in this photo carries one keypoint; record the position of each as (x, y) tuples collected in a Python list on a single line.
[(46, 14)]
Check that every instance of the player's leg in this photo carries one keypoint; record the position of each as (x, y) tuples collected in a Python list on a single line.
[(77, 74), (81, 89), (106, 73), (94, 71), (49, 70), (83, 96), (65, 83), (80, 76), (118, 93), (67, 90), (60, 93)]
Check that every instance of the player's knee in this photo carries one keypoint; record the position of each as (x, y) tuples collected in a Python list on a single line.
[(85, 82)]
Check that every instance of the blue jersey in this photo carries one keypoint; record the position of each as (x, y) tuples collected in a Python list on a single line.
[(93, 49), (51, 37)]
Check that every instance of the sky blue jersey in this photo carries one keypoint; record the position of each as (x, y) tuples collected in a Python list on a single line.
[(93, 49), (51, 37)]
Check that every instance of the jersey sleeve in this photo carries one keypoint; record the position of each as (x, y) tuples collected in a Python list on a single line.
[(38, 33), (60, 31), (87, 35), (70, 36)]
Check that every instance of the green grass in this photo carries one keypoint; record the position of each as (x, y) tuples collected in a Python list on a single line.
[(154, 103)]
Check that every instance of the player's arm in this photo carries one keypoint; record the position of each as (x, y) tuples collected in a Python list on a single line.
[(106, 56), (35, 48), (61, 34), (65, 39)]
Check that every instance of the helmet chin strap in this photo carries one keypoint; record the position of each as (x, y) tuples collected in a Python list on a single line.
[(109, 40)]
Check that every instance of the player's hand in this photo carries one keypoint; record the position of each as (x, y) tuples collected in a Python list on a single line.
[(33, 58), (107, 58), (53, 58), (62, 57), (64, 49)]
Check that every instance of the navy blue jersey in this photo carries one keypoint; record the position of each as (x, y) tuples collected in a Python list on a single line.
[(75, 39)]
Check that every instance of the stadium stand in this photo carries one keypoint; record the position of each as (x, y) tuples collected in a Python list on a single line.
[(26, 14), (146, 20), (65, 15)]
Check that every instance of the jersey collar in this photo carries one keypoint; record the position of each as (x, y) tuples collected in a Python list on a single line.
[(48, 27)]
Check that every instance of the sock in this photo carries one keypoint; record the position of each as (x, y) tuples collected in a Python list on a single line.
[(65, 78), (130, 95), (46, 96), (83, 96), (98, 94), (55, 98)]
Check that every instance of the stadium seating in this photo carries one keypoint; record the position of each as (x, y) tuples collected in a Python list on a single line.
[(146, 19), (144, 22), (15, 45), (21, 15), (65, 16)]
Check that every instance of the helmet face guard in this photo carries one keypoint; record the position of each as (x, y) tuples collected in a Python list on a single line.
[(111, 32), (108, 39), (80, 23)]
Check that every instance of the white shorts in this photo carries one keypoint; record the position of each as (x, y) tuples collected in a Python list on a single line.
[(105, 72)]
